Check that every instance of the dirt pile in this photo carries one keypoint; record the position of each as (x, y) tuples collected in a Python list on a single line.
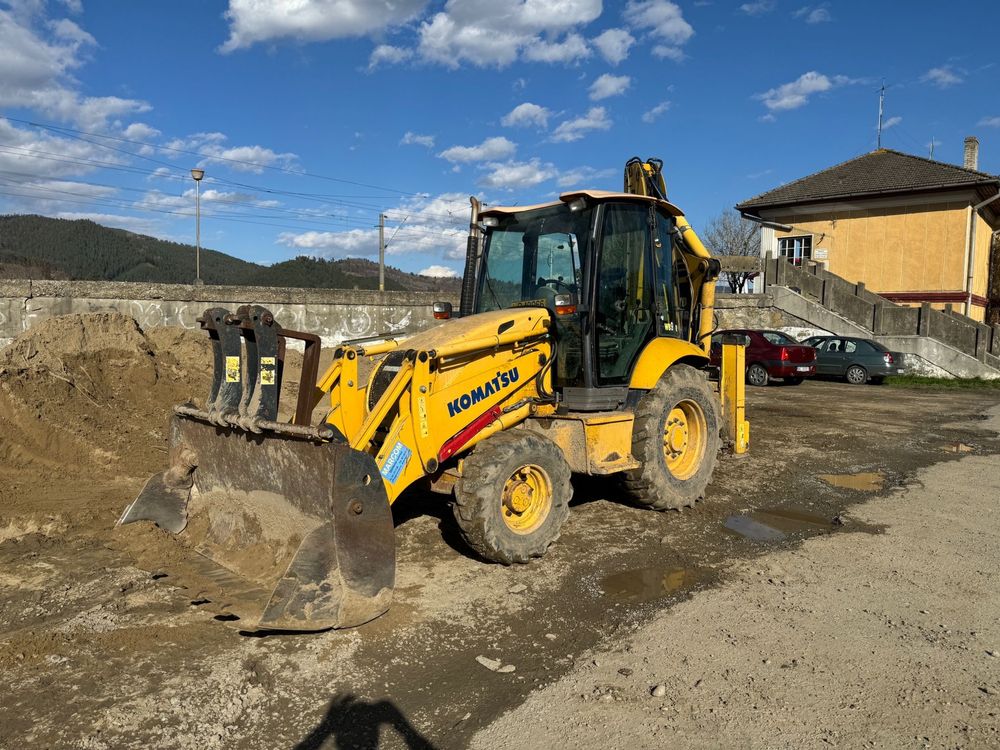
[(90, 395)]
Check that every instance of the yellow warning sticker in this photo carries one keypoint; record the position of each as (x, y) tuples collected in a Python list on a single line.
[(232, 369), (267, 376)]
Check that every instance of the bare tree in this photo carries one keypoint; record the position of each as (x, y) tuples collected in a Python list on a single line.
[(731, 234)]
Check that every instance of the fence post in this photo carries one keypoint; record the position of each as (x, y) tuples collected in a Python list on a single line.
[(877, 327), (982, 341), (859, 289), (924, 321), (995, 342)]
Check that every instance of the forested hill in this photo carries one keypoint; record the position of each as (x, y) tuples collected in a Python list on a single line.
[(44, 248)]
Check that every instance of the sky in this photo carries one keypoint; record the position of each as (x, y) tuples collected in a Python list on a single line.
[(311, 118)]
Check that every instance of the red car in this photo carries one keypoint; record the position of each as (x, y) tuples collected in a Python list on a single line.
[(770, 354)]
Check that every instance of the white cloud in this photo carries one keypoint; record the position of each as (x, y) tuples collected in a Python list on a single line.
[(614, 45), (488, 33), (513, 175), (891, 122), (386, 54), (943, 77), (758, 7), (796, 93), (570, 49), (653, 114), (582, 177), (414, 139), (608, 85), (439, 272), (44, 155), (39, 59), (989, 122), (662, 20), (239, 158), (526, 114), (575, 129), (491, 149), (434, 225), (73, 6), (252, 21), (812, 15), (140, 131)]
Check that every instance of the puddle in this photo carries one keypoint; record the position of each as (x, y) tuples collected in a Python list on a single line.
[(775, 524), (957, 448), (863, 482), (646, 584)]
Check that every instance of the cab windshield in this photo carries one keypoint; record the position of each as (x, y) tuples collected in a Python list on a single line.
[(533, 256)]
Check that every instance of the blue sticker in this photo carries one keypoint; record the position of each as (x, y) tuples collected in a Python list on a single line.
[(396, 462)]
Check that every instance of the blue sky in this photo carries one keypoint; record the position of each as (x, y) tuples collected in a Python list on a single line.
[(311, 117)]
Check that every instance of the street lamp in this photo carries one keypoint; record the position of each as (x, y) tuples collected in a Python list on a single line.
[(197, 174)]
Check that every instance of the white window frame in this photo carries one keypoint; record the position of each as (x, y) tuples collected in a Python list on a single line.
[(796, 250)]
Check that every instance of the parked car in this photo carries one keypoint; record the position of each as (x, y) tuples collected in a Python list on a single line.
[(770, 354), (858, 361)]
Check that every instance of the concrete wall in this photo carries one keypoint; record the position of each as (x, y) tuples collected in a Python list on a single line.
[(333, 314)]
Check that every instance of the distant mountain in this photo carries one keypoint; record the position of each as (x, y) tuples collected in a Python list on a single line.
[(40, 247)]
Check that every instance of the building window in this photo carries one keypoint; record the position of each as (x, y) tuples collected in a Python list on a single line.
[(796, 249)]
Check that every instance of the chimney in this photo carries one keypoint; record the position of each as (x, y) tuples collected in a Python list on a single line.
[(971, 153)]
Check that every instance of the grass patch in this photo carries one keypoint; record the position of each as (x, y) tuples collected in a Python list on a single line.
[(915, 381)]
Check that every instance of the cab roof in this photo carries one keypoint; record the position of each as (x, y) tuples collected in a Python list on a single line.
[(591, 195)]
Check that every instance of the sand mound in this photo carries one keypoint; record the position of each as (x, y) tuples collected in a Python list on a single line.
[(91, 394)]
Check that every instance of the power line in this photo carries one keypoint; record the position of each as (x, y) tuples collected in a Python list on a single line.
[(255, 165)]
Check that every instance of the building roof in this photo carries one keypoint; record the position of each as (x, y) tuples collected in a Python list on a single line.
[(882, 172)]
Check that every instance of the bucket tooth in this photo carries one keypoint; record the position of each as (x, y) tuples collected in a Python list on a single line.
[(160, 503)]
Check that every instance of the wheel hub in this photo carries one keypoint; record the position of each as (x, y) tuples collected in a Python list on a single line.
[(684, 439), (526, 499)]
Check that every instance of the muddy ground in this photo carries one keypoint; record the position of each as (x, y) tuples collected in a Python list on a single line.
[(99, 648)]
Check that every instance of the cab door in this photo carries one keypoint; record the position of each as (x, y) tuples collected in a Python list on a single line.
[(624, 309)]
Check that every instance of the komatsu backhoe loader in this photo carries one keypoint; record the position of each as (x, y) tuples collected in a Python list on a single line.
[(581, 347)]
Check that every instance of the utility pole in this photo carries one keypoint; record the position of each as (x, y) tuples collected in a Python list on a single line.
[(881, 100), (381, 252), (197, 175)]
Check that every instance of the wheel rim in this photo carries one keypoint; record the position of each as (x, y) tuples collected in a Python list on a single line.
[(757, 375), (684, 438), (855, 375), (526, 499)]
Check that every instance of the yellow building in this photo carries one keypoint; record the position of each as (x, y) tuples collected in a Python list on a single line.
[(911, 229)]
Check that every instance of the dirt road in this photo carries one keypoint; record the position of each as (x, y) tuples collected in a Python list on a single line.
[(100, 648), (851, 640)]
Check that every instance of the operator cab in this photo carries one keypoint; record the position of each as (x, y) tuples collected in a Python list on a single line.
[(610, 270)]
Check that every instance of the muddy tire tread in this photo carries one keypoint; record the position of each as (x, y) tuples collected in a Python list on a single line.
[(478, 491)]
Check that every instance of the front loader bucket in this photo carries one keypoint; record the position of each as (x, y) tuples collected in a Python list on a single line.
[(298, 531)]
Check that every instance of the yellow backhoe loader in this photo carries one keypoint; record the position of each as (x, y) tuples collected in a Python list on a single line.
[(581, 346)]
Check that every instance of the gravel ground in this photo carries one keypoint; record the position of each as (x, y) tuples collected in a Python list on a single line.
[(851, 640)]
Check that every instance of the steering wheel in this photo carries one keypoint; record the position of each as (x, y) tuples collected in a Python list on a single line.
[(555, 282)]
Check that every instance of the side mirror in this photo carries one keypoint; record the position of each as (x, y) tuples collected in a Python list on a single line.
[(442, 310)]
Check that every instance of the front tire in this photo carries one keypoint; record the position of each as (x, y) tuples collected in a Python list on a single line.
[(675, 437), (513, 496), (757, 375), (856, 375)]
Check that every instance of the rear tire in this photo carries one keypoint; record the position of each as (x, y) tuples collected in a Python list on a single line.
[(675, 437), (856, 375), (513, 496), (757, 375)]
